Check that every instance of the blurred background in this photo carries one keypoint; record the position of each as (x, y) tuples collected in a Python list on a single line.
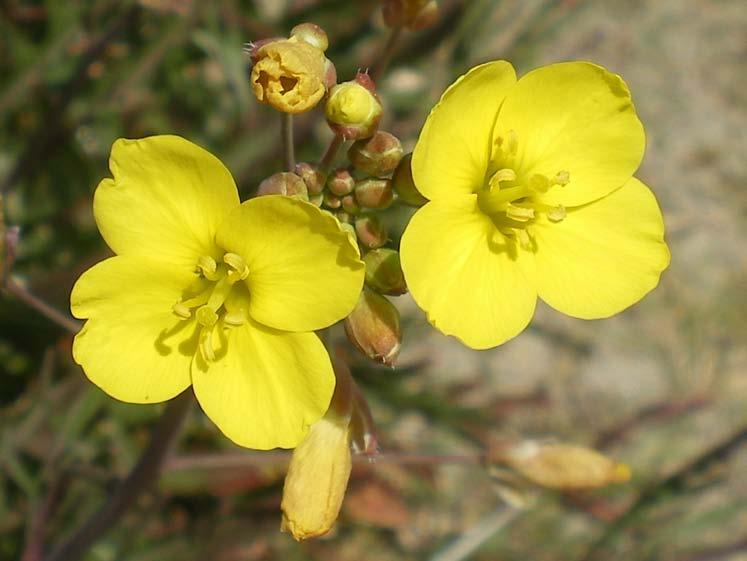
[(662, 387)]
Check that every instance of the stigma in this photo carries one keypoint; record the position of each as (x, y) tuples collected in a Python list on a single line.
[(216, 300)]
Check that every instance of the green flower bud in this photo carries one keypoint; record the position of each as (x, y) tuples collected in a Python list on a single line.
[(377, 156), (353, 109), (340, 182), (374, 193), (404, 185), (384, 272), (349, 205), (373, 327), (311, 34), (370, 231), (284, 183), (312, 176)]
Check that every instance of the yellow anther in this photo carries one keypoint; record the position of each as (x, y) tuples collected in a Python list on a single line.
[(505, 174), (206, 316), (240, 269), (519, 213), (235, 318), (182, 310), (208, 267), (557, 214), (562, 178), (513, 142)]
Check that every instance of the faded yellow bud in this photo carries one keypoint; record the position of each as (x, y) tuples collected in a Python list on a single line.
[(289, 75), (384, 272), (373, 327), (284, 183), (317, 478), (353, 109), (404, 185), (377, 156), (561, 466)]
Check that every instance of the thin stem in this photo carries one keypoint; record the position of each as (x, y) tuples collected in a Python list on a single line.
[(248, 459), (286, 132), (466, 544), (329, 155), (141, 478), (386, 57), (63, 320)]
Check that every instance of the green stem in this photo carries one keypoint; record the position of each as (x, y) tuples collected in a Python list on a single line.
[(286, 131)]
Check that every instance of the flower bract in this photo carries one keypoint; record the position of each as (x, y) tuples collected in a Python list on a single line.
[(206, 291), (531, 193)]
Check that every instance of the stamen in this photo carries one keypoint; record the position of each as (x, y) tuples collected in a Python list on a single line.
[(519, 213), (206, 343), (557, 214), (505, 174), (523, 237), (562, 178), (182, 310), (208, 267), (240, 270)]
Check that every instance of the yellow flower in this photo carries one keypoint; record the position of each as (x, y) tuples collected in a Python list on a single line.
[(531, 193), (289, 75), (206, 291)]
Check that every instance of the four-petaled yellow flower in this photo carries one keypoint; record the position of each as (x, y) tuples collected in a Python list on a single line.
[(206, 291), (531, 193)]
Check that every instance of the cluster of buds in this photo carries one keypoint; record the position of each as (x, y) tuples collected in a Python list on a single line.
[(292, 74)]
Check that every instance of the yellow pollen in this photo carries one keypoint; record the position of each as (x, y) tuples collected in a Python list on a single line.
[(207, 300), (557, 214), (519, 213), (562, 178)]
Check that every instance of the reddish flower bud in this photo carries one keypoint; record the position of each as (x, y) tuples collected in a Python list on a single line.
[(312, 34), (284, 183), (377, 156), (374, 193), (340, 182), (312, 176), (384, 272), (404, 185), (370, 231), (373, 327)]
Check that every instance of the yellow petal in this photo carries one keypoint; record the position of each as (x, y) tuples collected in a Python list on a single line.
[(453, 150), (604, 256), (304, 273), (317, 478), (133, 346), (575, 117), (165, 201), (460, 272), (266, 387)]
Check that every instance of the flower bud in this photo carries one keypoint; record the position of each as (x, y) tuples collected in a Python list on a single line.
[(311, 34), (561, 466), (353, 109), (331, 201), (349, 205), (404, 185), (316, 200), (289, 75), (413, 14), (370, 231), (377, 156), (340, 182), (374, 193), (312, 176), (384, 272), (373, 327), (284, 183)]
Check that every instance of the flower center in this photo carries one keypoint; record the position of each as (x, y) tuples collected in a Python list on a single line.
[(215, 299), (513, 202)]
